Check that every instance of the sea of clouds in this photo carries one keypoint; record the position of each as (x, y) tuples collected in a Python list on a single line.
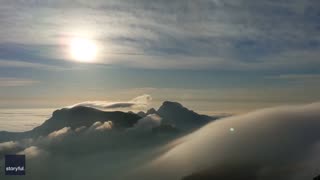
[(19, 120), (274, 143)]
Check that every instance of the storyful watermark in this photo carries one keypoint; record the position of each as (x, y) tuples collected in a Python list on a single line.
[(15, 165)]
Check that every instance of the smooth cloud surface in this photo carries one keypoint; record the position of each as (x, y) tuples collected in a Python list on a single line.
[(275, 143)]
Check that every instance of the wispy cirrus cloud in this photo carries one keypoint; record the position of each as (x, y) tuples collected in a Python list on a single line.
[(173, 34), (297, 77), (14, 82), (24, 64)]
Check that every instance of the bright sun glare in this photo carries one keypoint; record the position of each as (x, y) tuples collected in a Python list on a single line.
[(83, 50)]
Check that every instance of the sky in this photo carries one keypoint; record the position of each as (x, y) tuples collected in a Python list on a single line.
[(212, 55)]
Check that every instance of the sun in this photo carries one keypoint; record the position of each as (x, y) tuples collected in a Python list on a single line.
[(83, 50)]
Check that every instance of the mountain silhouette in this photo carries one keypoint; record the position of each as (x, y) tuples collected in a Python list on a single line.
[(181, 117), (152, 111), (174, 117), (85, 116), (75, 117)]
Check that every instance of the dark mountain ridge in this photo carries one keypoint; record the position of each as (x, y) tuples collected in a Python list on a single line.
[(174, 116), (74, 117), (180, 116), (85, 116)]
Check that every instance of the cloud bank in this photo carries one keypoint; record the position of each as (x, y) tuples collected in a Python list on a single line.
[(148, 122), (274, 143), (97, 144), (19, 120), (137, 102)]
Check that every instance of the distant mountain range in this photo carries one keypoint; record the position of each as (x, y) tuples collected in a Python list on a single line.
[(174, 117)]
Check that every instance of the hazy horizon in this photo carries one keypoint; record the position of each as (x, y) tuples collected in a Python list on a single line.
[(234, 85)]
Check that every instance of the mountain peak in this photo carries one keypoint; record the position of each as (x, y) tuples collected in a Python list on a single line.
[(171, 104), (152, 111), (180, 116), (174, 107)]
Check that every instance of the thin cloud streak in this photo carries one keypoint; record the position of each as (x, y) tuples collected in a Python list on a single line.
[(24, 64), (15, 82), (138, 102), (296, 77)]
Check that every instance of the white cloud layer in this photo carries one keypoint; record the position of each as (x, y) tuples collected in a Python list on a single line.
[(33, 152), (105, 126), (148, 122), (60, 132), (7, 146), (137, 102), (275, 143), (19, 120)]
